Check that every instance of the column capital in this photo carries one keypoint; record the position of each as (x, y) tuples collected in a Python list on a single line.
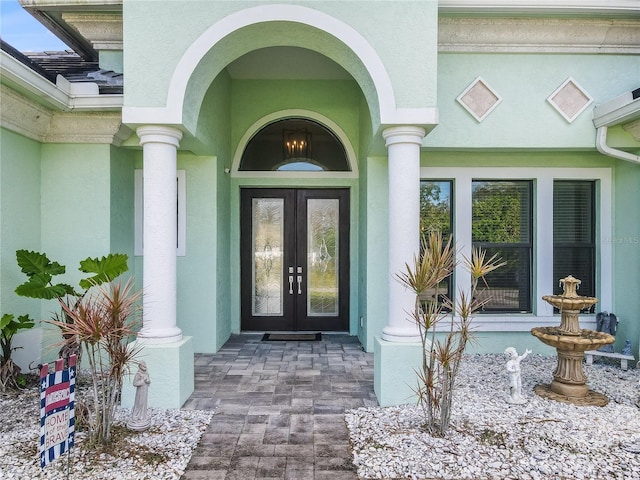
[(159, 134), (403, 134)]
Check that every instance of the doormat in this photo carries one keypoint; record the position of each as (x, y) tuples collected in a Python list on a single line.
[(292, 337)]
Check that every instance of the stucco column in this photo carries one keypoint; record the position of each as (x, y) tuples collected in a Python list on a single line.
[(159, 151), (403, 144)]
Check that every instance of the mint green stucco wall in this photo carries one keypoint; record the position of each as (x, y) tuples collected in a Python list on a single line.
[(121, 203), (626, 247), (19, 216), (375, 239), (197, 276), (76, 202), (524, 119), (338, 100), (75, 213)]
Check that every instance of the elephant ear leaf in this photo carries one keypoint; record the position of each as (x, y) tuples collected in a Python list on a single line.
[(32, 263), (6, 319), (38, 286), (105, 269), (25, 322)]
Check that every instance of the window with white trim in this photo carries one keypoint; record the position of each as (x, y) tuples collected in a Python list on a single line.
[(574, 234), (181, 206), (592, 202), (502, 226)]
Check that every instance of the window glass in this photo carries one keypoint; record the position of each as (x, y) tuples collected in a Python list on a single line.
[(574, 234), (435, 207), (502, 225), (436, 216)]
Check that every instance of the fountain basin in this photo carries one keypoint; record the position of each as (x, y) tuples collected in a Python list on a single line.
[(585, 340), (569, 383), (570, 303)]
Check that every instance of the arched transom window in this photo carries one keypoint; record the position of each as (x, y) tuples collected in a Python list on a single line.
[(294, 144)]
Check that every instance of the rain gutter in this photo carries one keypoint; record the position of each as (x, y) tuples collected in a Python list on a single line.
[(623, 109)]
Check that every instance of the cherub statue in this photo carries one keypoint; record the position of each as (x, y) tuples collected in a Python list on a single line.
[(513, 369)]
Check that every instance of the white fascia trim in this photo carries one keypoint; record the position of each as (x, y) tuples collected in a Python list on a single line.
[(23, 76), (618, 7), (621, 109), (58, 96), (172, 113), (515, 323), (151, 115), (428, 117)]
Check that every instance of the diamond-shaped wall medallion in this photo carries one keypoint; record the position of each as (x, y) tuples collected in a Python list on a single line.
[(570, 99), (479, 99)]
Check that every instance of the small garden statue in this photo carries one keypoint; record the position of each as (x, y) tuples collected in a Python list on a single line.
[(513, 369), (608, 323), (139, 421), (626, 350)]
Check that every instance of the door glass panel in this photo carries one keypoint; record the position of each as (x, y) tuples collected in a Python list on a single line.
[(267, 244), (322, 257)]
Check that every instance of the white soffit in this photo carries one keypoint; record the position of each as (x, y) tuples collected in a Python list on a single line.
[(479, 99), (570, 99)]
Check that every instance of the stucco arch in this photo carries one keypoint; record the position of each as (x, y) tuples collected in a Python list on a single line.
[(246, 30), (275, 25)]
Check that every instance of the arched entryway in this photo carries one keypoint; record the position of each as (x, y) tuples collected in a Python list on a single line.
[(294, 242)]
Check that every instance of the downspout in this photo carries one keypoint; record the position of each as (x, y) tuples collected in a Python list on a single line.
[(601, 145)]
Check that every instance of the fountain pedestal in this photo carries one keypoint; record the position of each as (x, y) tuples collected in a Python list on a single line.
[(569, 383)]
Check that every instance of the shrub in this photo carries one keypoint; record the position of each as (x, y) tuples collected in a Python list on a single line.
[(442, 355), (9, 326), (103, 323)]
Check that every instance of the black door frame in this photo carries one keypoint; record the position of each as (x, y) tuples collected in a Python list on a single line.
[(294, 316)]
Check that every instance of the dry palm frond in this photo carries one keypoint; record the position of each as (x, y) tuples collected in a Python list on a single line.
[(431, 267), (479, 267)]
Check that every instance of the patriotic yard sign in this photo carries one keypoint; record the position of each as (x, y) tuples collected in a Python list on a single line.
[(57, 422)]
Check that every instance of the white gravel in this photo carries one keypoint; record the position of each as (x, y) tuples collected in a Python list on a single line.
[(160, 453), (491, 439)]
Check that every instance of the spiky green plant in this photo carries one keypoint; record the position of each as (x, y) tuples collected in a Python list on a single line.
[(442, 355), (103, 323), (9, 326)]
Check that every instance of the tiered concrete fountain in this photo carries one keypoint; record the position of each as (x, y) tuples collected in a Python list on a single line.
[(569, 383)]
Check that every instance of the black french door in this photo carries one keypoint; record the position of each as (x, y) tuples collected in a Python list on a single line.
[(294, 259)]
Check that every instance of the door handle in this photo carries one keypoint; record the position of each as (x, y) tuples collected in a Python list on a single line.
[(290, 281), (299, 270)]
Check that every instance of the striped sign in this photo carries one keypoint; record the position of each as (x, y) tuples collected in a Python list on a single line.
[(57, 403)]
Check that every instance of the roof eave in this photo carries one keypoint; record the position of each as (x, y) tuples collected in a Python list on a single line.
[(58, 96)]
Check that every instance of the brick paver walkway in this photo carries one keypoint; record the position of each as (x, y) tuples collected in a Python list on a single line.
[(279, 408)]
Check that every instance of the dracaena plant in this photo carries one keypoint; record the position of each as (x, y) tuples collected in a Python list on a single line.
[(103, 323), (442, 353)]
